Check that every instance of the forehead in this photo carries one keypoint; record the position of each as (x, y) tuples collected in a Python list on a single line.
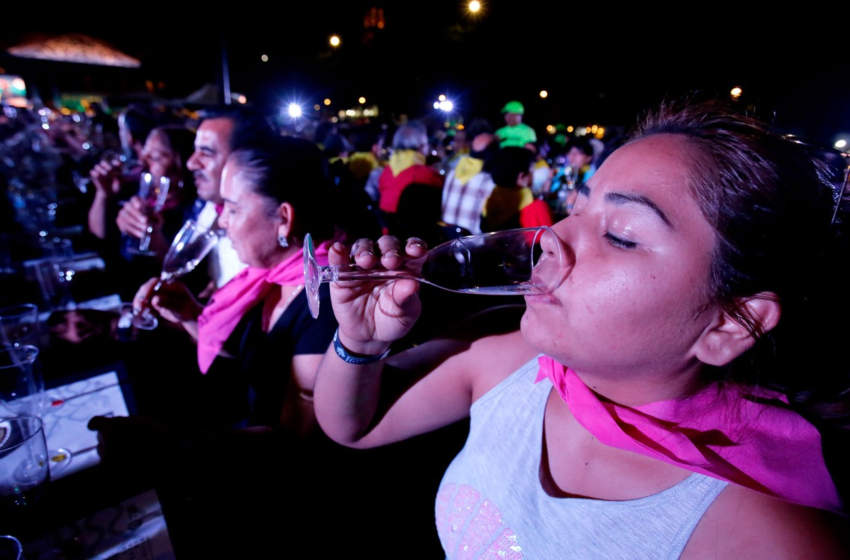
[(658, 167), (232, 181), (157, 141), (215, 132)]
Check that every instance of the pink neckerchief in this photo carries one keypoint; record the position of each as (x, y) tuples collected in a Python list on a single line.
[(744, 440), (230, 302)]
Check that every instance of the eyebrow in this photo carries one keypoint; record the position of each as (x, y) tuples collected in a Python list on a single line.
[(620, 199), (625, 198)]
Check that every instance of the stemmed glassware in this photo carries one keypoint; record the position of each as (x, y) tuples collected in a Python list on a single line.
[(22, 392), (188, 249), (521, 261), (153, 192)]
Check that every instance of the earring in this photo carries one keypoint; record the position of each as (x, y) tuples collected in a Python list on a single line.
[(282, 241)]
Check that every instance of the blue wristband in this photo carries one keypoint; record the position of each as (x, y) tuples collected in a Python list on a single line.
[(356, 360)]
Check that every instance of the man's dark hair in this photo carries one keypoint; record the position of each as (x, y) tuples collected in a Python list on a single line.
[(250, 125), (508, 163), (583, 144)]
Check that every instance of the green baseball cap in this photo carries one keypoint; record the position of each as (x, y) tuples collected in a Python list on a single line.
[(513, 107)]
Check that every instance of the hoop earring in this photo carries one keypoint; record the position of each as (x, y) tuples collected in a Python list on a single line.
[(282, 241)]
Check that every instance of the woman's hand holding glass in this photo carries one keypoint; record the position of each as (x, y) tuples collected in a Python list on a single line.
[(106, 175), (136, 221), (171, 300), (374, 313)]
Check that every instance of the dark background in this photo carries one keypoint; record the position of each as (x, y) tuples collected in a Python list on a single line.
[(601, 64)]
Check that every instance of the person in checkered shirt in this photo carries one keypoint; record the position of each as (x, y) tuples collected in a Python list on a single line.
[(469, 184)]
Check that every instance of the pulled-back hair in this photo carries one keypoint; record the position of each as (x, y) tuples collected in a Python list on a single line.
[(293, 170), (770, 201)]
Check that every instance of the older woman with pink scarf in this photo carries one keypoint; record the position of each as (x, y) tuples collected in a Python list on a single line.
[(273, 195), (258, 325)]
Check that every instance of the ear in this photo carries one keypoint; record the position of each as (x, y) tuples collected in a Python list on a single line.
[(728, 336), (286, 214)]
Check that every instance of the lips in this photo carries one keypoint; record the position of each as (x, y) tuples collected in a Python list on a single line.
[(541, 299)]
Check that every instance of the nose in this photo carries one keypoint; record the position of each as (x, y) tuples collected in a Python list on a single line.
[(556, 260), (192, 163)]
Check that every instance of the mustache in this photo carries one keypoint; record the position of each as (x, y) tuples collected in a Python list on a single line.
[(199, 174)]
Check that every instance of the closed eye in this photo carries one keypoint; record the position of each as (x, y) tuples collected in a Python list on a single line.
[(619, 243)]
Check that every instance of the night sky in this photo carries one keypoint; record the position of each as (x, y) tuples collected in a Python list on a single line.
[(600, 64)]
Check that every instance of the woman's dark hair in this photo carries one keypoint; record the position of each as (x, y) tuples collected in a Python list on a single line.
[(138, 121), (182, 141), (506, 165), (770, 201), (293, 170)]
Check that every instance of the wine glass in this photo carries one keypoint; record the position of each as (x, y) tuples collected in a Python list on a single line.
[(191, 244), (153, 192), (22, 393), (509, 262), (24, 472)]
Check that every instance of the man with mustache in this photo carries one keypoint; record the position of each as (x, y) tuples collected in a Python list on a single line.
[(221, 131)]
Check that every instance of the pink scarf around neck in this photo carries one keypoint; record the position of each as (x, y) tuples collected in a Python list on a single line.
[(740, 439), (230, 302)]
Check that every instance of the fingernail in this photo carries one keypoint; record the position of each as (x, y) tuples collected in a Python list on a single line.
[(419, 245), (392, 254)]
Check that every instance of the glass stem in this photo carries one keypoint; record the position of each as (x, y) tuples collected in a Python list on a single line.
[(341, 273)]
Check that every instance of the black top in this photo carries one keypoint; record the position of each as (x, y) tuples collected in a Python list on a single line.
[(265, 358)]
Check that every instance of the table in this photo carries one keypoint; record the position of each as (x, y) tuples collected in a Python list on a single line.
[(317, 501)]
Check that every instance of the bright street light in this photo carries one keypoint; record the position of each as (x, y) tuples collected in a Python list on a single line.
[(334, 40), (294, 110)]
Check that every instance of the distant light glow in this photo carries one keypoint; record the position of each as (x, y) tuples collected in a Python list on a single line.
[(327, 101), (316, 107), (242, 99), (736, 92), (544, 94), (446, 106), (550, 129), (436, 104), (264, 58), (361, 100), (442, 97), (294, 110), (841, 144), (335, 41), (474, 6)]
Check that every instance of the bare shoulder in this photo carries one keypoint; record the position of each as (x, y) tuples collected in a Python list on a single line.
[(745, 523)]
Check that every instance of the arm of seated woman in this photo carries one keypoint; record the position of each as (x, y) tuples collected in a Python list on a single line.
[(421, 389)]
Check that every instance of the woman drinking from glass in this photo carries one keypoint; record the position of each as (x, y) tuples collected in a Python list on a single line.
[(668, 399)]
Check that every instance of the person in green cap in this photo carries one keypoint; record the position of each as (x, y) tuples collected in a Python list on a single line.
[(515, 133)]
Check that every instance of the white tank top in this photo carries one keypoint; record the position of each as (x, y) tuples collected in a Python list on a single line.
[(491, 504)]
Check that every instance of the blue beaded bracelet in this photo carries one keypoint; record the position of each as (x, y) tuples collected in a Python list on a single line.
[(356, 360)]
